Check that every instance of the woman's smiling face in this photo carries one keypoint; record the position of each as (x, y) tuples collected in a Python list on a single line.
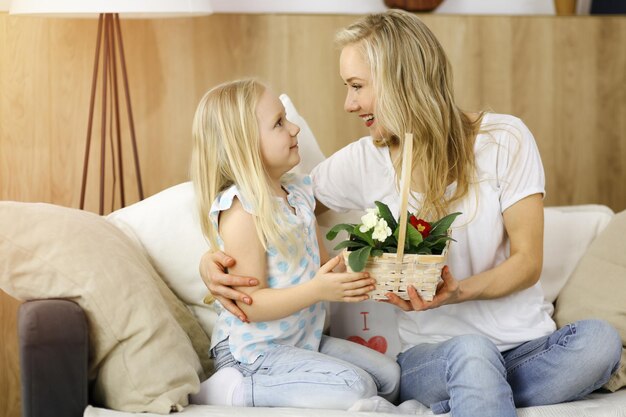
[(360, 96)]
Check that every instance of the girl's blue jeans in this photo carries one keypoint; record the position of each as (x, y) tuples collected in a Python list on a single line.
[(468, 376), (341, 373)]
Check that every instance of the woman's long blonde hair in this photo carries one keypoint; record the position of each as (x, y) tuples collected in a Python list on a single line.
[(226, 151), (412, 80)]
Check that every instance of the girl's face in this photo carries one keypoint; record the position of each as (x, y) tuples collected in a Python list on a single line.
[(279, 144), (360, 98)]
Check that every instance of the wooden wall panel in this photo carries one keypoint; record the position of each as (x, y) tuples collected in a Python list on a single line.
[(565, 77)]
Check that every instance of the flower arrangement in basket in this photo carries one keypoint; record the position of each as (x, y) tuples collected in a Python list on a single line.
[(372, 245), (401, 253)]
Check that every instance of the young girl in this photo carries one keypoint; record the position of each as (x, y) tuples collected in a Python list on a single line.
[(251, 208)]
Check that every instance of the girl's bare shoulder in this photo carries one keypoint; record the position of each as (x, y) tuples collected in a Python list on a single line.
[(236, 223)]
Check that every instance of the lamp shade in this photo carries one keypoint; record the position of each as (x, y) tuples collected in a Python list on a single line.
[(127, 8), (299, 6), (518, 7)]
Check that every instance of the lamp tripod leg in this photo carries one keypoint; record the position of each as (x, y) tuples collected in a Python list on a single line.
[(103, 121), (109, 33), (116, 115), (94, 82), (129, 109)]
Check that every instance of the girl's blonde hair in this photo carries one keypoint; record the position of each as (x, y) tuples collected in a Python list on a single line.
[(226, 151), (412, 80)]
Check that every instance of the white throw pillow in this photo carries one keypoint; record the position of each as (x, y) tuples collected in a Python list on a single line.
[(568, 232), (167, 227)]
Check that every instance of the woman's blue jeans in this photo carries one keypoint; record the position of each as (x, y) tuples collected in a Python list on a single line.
[(468, 376), (341, 373)]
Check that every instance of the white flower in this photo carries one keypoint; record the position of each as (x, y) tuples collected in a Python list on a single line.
[(381, 231), (369, 220)]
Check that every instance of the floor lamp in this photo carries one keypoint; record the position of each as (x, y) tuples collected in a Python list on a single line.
[(109, 58)]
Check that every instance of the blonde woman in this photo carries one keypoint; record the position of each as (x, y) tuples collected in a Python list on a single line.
[(486, 343), (243, 147)]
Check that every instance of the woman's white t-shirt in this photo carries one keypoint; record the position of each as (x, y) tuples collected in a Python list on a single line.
[(509, 168)]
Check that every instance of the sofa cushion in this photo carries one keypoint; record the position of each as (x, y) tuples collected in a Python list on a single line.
[(597, 287), (558, 264), (167, 227), (141, 358)]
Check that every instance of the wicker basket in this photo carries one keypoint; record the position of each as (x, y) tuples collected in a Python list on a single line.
[(421, 271), (394, 272)]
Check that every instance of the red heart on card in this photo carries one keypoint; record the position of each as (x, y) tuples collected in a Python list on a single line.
[(377, 343)]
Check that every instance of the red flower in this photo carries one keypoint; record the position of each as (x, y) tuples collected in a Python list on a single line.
[(422, 226)]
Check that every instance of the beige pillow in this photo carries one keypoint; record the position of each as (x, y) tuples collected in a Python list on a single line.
[(597, 288), (141, 360)]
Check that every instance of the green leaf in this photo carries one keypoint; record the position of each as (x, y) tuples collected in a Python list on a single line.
[(438, 244), (332, 233), (367, 237), (385, 213), (350, 244), (376, 252), (358, 258), (435, 240), (438, 247), (358, 240), (441, 226), (396, 234), (412, 238), (438, 250)]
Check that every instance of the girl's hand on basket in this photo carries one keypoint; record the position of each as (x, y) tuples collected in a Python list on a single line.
[(342, 286), (448, 292)]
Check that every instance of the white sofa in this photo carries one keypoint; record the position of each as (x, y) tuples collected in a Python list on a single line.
[(153, 344), (372, 320)]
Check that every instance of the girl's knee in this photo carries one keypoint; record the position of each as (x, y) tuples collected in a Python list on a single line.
[(397, 371), (363, 385), (390, 387), (369, 388), (393, 371), (358, 384)]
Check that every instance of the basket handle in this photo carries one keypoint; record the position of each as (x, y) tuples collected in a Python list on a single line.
[(405, 184)]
